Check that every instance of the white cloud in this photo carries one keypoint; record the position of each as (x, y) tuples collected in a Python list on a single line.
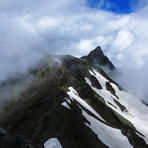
[(30, 30), (122, 41)]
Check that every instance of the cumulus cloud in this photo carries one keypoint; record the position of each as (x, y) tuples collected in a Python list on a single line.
[(122, 41), (30, 30)]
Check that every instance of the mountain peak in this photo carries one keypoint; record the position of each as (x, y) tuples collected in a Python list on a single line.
[(97, 58), (97, 51)]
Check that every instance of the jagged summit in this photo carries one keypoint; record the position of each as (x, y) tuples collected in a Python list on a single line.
[(97, 53), (98, 59)]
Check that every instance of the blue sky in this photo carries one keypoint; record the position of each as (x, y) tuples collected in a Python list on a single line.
[(116, 6)]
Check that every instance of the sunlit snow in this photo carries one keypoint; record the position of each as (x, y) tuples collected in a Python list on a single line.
[(74, 95), (110, 136), (137, 112)]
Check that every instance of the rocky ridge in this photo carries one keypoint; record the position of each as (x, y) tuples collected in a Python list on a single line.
[(65, 97)]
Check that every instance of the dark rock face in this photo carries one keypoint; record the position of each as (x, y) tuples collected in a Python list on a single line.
[(98, 59), (9, 140)]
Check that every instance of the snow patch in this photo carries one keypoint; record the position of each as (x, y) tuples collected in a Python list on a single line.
[(74, 95), (52, 143), (58, 60), (68, 100), (66, 105)]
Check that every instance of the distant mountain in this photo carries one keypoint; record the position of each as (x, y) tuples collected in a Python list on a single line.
[(98, 59), (69, 102)]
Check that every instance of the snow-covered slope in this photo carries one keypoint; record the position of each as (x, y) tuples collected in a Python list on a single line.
[(124, 104), (112, 137)]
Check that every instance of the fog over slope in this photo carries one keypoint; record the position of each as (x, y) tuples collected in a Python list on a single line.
[(31, 30), (135, 81)]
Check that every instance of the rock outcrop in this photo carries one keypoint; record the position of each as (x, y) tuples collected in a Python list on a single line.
[(10, 140)]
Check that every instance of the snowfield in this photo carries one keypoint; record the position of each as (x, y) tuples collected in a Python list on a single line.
[(112, 137), (136, 112)]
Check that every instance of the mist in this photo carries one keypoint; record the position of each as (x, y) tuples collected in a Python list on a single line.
[(135, 81)]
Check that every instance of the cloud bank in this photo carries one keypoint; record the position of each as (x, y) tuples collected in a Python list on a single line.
[(30, 30)]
